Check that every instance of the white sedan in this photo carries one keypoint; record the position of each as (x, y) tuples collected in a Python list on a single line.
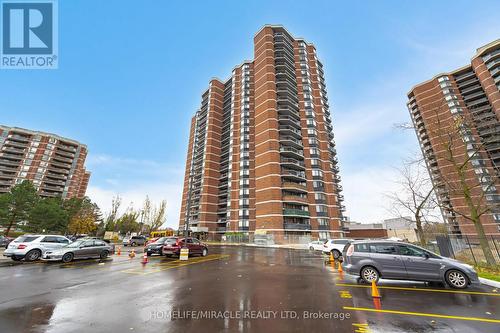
[(316, 245)]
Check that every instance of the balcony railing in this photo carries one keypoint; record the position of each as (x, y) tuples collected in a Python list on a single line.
[(296, 212), (296, 226)]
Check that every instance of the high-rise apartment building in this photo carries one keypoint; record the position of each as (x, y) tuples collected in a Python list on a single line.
[(54, 164), (261, 156), (465, 102)]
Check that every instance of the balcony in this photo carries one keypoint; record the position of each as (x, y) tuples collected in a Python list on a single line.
[(292, 163), (293, 174), (295, 198), (291, 141), (16, 144), (55, 175), (8, 162), (294, 186), (296, 226), (290, 130), (295, 212), (323, 227), (291, 152), (19, 138), (289, 120)]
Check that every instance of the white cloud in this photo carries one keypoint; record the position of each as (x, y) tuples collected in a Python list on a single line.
[(134, 197), (133, 179), (364, 192)]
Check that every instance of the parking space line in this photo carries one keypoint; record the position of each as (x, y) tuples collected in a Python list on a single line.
[(167, 266), (421, 289), (422, 314)]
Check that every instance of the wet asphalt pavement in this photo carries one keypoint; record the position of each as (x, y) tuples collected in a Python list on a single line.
[(234, 289)]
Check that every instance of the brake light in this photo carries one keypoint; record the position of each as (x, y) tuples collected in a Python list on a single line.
[(350, 250), (21, 246)]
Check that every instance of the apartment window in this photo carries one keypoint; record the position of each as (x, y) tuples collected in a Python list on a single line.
[(31, 156), (244, 191), (314, 162), (312, 132), (245, 181), (317, 173), (313, 151), (318, 185), (244, 202), (320, 196), (321, 209), (323, 221), (244, 212), (244, 163), (26, 167), (244, 172), (23, 174), (313, 141)]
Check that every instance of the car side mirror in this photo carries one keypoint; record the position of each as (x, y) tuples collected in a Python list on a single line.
[(426, 255)]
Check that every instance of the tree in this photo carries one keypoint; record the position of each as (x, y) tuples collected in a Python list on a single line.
[(415, 196), (112, 217), (468, 177), (16, 205), (128, 223), (84, 221), (153, 216), (159, 216), (48, 215)]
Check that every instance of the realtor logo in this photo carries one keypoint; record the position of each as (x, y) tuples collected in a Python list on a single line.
[(29, 34)]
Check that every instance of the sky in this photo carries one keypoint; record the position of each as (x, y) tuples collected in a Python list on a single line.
[(131, 75)]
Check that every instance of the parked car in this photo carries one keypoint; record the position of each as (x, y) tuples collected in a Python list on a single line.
[(135, 241), (107, 241), (316, 245), (156, 247), (4, 241), (335, 246), (374, 259), (172, 246), (81, 249), (152, 240), (32, 247)]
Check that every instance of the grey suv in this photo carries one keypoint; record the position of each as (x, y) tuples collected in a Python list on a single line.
[(376, 259)]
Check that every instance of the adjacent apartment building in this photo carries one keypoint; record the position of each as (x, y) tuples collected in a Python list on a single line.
[(465, 102), (261, 157), (54, 164)]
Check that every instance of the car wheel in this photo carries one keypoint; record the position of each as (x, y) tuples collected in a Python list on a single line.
[(15, 258), (133, 244), (204, 252), (369, 274), (33, 255), (104, 255), (456, 279), (67, 257), (336, 254)]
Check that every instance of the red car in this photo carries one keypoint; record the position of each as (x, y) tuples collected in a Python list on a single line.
[(173, 246)]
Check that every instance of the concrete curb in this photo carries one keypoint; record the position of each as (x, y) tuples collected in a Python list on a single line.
[(489, 282)]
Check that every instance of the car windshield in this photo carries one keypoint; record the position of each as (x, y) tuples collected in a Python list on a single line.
[(160, 240), (78, 243), (25, 239), (170, 241)]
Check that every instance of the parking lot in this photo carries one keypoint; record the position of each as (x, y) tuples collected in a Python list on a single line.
[(232, 289)]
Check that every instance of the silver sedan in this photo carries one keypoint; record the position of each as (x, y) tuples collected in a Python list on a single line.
[(80, 249)]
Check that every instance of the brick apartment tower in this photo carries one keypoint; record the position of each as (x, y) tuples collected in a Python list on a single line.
[(261, 156), (54, 164), (472, 93)]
